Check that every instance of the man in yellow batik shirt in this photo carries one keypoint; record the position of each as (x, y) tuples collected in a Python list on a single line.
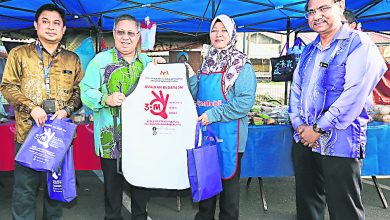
[(40, 78)]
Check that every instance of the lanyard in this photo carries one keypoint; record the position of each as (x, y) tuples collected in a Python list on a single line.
[(46, 70)]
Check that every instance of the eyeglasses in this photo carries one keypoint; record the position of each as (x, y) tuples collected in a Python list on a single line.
[(323, 9), (122, 33)]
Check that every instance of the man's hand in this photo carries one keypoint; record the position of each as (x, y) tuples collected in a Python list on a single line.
[(39, 115), (115, 99), (157, 60), (60, 114), (301, 128), (309, 137), (204, 119)]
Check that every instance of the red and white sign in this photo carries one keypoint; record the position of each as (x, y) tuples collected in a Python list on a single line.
[(158, 125)]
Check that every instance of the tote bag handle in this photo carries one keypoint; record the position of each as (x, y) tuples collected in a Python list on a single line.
[(199, 131)]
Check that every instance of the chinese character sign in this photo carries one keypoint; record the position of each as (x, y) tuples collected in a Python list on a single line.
[(283, 68)]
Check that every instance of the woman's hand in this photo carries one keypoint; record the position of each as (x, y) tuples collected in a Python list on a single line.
[(190, 70), (204, 119), (157, 60)]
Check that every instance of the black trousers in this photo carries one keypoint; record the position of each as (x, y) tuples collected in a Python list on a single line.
[(113, 194), (229, 199), (25, 192), (139, 201), (326, 180), (113, 189)]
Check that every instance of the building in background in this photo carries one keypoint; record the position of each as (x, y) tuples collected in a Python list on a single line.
[(259, 46)]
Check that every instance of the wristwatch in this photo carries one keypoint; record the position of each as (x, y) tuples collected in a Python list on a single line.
[(317, 129), (30, 107)]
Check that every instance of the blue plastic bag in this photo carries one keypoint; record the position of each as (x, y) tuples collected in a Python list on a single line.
[(46, 146), (85, 52), (61, 185), (203, 167), (297, 49)]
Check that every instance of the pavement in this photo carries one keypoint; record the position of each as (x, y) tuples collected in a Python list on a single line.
[(279, 193)]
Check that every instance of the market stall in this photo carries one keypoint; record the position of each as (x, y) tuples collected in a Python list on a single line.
[(268, 153)]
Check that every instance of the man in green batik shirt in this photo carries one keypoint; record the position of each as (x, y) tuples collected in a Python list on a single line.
[(108, 78)]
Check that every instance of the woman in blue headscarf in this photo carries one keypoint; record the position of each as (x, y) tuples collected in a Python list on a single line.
[(225, 91), (182, 57)]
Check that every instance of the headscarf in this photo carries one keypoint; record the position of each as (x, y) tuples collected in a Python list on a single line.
[(229, 57), (181, 54)]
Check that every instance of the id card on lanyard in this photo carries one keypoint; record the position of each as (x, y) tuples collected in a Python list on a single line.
[(46, 70)]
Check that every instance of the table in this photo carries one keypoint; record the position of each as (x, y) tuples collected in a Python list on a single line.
[(84, 151), (268, 154), (7, 131), (83, 148)]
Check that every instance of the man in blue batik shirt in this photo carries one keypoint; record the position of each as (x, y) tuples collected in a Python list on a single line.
[(330, 95)]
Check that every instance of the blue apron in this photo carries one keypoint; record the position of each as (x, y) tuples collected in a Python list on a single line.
[(210, 94)]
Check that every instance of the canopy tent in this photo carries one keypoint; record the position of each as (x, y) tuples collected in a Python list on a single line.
[(188, 16)]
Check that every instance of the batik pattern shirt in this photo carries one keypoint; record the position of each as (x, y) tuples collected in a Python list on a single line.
[(107, 73), (24, 84), (332, 87)]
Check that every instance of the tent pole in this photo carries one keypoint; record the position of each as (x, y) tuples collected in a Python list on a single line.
[(213, 8), (243, 43), (287, 46), (367, 7), (201, 21), (98, 34)]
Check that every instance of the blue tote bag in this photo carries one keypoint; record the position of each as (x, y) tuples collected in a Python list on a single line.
[(203, 167), (46, 146), (297, 48), (61, 184)]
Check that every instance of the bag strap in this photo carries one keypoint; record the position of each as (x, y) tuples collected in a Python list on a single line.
[(199, 131), (69, 120), (299, 43), (281, 52)]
